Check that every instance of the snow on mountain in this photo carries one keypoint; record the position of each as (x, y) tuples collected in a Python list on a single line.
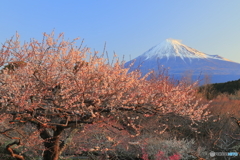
[(181, 59), (174, 48)]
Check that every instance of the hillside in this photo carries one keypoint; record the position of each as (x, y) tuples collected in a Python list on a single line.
[(213, 90)]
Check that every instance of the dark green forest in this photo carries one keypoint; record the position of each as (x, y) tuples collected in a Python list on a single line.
[(213, 90)]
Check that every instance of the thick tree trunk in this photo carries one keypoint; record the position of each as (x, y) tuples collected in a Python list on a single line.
[(51, 144)]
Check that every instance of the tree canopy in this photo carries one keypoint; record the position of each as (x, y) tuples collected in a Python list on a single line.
[(55, 85)]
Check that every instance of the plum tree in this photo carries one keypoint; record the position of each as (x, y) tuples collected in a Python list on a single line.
[(61, 86)]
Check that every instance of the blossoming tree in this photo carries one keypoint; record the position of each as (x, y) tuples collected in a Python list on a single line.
[(54, 85)]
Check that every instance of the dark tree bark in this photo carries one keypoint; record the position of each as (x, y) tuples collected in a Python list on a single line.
[(52, 143)]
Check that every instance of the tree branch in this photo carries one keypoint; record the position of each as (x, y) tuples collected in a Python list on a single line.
[(10, 150)]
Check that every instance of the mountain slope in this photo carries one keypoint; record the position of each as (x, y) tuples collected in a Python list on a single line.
[(181, 59)]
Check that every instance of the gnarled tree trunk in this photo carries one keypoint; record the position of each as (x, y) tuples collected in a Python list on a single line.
[(52, 143)]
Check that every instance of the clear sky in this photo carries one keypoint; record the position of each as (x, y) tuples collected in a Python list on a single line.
[(129, 27)]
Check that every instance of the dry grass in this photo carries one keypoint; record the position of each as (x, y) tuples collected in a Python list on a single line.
[(225, 104)]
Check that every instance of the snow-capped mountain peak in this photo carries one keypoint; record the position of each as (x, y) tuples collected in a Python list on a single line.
[(174, 48), (180, 59)]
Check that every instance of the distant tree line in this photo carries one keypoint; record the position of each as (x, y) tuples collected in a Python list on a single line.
[(211, 91)]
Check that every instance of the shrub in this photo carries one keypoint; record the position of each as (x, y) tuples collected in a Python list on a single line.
[(164, 149)]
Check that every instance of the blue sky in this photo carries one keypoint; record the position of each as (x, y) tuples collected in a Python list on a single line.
[(129, 27)]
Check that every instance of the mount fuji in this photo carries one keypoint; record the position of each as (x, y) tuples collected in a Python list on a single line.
[(181, 60)]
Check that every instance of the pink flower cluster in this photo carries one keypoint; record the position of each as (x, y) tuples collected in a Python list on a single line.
[(160, 156)]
